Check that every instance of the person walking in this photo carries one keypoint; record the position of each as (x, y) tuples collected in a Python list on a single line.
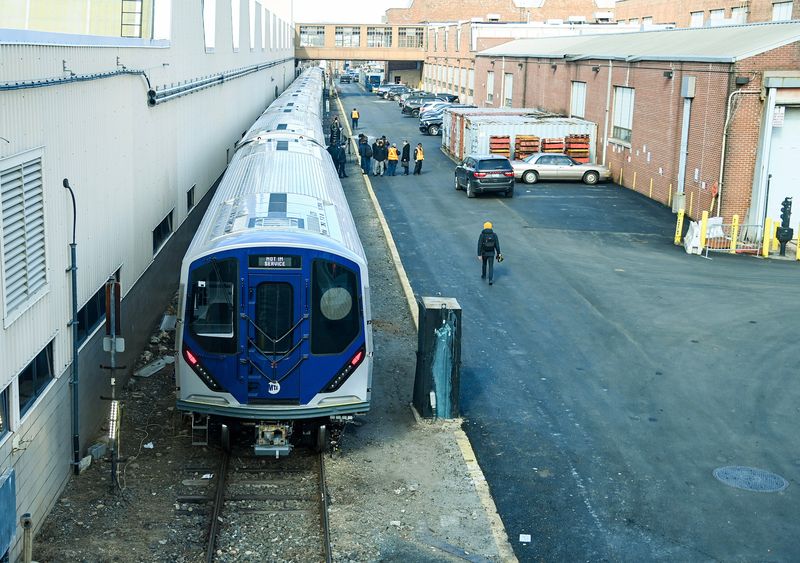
[(404, 157), (365, 151), (354, 118), (488, 247), (393, 157), (419, 156), (380, 154)]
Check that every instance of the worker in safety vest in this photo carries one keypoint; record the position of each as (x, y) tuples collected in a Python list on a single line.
[(354, 118), (419, 156), (394, 156)]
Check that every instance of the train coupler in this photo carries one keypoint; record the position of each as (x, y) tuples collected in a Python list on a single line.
[(272, 439)]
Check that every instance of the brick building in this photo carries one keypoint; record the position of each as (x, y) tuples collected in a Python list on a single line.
[(422, 11), (699, 13), (638, 89)]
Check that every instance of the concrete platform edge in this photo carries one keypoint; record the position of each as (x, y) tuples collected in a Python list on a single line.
[(467, 453)]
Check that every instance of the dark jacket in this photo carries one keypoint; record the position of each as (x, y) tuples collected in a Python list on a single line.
[(379, 152), (363, 150), (483, 250), (406, 151), (340, 157)]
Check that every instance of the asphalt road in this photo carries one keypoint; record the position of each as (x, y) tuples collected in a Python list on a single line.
[(606, 374)]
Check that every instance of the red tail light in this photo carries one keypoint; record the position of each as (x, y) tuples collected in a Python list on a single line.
[(357, 358), (508, 174), (190, 357), (480, 174)]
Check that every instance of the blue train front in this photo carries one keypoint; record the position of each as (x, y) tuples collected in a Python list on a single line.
[(275, 312)]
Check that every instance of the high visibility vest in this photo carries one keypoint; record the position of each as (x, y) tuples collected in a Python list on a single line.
[(392, 153), (354, 114), (420, 155)]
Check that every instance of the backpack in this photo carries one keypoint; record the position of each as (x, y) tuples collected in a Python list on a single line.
[(489, 242), (368, 152)]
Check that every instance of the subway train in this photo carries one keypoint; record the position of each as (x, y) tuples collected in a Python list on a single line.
[(274, 317)]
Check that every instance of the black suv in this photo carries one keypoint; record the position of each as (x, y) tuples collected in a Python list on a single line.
[(452, 98), (485, 173), (430, 123), (414, 102), (344, 79)]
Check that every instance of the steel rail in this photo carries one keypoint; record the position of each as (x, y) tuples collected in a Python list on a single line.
[(323, 502), (219, 501)]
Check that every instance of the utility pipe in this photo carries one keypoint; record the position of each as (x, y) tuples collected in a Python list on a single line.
[(73, 268), (725, 142), (684, 150), (608, 110)]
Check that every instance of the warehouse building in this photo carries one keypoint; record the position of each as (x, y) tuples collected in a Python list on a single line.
[(140, 120), (730, 96), (703, 13)]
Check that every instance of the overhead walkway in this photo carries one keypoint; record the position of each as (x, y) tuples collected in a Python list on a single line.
[(359, 42)]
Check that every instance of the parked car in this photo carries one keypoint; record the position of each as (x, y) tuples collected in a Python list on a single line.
[(430, 122), (480, 173), (413, 104), (414, 93), (344, 79), (452, 98), (394, 92), (433, 105), (380, 90), (554, 166)]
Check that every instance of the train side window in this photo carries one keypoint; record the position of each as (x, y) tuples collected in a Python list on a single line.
[(211, 304), (335, 308)]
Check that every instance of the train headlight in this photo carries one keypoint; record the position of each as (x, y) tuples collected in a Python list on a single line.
[(197, 367), (346, 370)]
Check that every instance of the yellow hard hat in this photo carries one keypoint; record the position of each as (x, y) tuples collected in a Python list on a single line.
[(487, 225)]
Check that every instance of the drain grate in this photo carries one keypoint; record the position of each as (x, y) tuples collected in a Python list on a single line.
[(751, 479)]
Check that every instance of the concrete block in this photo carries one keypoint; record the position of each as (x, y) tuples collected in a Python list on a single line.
[(96, 451)]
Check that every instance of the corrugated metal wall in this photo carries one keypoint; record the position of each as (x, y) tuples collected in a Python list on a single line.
[(130, 165)]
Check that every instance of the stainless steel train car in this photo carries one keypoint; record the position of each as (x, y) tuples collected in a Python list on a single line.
[(275, 327)]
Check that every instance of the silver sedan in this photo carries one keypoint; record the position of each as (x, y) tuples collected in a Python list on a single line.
[(552, 166)]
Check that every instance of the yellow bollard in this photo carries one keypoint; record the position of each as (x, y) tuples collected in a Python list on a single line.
[(765, 238), (620, 177), (669, 198), (651, 188), (734, 233), (775, 244), (691, 202), (679, 228), (703, 230), (634, 180)]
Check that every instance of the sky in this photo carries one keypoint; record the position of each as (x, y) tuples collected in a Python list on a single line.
[(344, 11)]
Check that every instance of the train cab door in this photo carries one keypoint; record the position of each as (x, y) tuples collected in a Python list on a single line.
[(277, 336)]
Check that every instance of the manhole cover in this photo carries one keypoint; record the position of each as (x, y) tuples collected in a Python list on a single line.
[(751, 479)]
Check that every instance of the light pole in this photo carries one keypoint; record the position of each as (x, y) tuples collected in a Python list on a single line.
[(73, 268)]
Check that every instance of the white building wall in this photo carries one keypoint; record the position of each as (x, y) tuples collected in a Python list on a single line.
[(129, 164)]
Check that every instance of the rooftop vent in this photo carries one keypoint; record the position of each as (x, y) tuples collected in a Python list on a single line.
[(282, 146)]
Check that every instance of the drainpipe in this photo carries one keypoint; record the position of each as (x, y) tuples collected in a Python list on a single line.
[(608, 110), (687, 93), (73, 268), (503, 84), (725, 142)]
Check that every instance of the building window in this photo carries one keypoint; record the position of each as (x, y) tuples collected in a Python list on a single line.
[(210, 24), (449, 78), (781, 11), (379, 37), (634, 21), (236, 21), (458, 38), (490, 86), (435, 39), (346, 36), (463, 82), (190, 199), (696, 19), (410, 37), (577, 106), (471, 79), (446, 33), (508, 89), (263, 28), (4, 420), (24, 258), (623, 113), (739, 15), (647, 21), (34, 378), (131, 19), (310, 36), (716, 16), (162, 232)]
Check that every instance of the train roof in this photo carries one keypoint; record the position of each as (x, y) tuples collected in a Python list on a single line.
[(269, 198)]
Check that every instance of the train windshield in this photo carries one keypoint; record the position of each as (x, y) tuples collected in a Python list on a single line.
[(335, 309), (210, 304)]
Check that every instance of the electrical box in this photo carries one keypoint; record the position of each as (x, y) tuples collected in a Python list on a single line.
[(437, 378), (678, 202), (8, 510), (687, 86)]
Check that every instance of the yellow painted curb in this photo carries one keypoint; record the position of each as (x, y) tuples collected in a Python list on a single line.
[(467, 453)]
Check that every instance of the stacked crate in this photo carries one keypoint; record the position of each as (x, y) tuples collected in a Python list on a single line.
[(500, 145), (552, 145), (578, 147), (525, 145)]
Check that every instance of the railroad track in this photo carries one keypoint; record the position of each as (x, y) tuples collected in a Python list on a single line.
[(265, 509)]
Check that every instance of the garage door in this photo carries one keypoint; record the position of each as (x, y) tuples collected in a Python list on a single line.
[(784, 170)]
